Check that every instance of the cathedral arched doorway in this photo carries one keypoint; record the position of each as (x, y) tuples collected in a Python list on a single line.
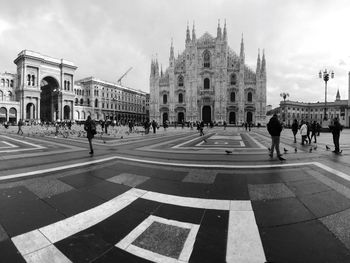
[(49, 99), (206, 114), (249, 116), (232, 117), (180, 117), (30, 111), (165, 117), (66, 112)]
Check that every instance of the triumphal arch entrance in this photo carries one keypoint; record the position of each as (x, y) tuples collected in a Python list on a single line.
[(45, 87)]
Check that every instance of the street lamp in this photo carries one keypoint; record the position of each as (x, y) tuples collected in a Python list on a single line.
[(284, 96), (325, 76)]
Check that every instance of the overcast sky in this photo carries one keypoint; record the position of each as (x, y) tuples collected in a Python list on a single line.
[(104, 38)]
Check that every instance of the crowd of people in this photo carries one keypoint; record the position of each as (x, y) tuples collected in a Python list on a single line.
[(308, 132)]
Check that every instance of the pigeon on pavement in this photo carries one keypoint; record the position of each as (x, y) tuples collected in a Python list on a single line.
[(327, 148), (228, 152), (295, 150), (285, 150)]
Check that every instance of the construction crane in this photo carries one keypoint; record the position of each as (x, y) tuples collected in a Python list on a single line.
[(120, 79)]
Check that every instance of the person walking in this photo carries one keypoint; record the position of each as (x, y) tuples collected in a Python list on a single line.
[(295, 127), (20, 124), (303, 132), (154, 126), (274, 128), (336, 128), (90, 128), (201, 127), (314, 131)]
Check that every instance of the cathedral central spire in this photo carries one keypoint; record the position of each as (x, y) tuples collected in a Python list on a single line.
[(242, 50), (225, 33), (193, 33)]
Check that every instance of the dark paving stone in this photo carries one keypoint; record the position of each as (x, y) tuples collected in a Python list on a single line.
[(73, 202), (325, 203), (264, 178), (83, 247), (116, 227), (3, 234), (180, 213), (9, 253), (22, 211), (118, 255), (280, 212), (269, 191), (106, 190), (176, 188), (302, 242), (211, 240), (104, 173), (144, 206), (308, 187), (80, 180), (229, 186), (296, 175), (166, 174)]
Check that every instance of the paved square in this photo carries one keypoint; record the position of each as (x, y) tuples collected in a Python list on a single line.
[(131, 180)]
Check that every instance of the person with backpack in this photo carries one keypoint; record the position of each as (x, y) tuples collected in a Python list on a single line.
[(274, 128), (90, 128)]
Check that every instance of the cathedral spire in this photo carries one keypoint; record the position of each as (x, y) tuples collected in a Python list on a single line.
[(225, 33), (263, 65), (218, 34), (171, 50), (193, 33), (242, 50), (258, 63), (338, 95), (161, 70), (188, 37)]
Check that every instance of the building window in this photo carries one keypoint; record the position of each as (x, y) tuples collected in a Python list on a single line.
[(180, 98), (76, 101), (250, 97), (206, 59), (165, 99), (28, 80), (206, 83), (180, 81), (81, 101), (233, 96), (96, 103), (88, 102), (233, 79)]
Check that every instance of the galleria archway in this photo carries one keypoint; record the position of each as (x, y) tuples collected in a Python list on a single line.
[(49, 99)]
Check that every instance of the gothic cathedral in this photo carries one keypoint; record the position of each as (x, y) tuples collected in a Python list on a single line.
[(208, 81)]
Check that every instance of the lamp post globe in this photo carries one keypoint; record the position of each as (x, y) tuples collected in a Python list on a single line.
[(325, 76), (284, 95)]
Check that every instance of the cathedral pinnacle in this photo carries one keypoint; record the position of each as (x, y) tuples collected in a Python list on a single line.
[(218, 35), (258, 63), (193, 33), (171, 50), (188, 37), (225, 33), (263, 65), (242, 49)]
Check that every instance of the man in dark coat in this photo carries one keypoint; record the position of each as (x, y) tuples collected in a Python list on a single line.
[(336, 128), (90, 128), (274, 128)]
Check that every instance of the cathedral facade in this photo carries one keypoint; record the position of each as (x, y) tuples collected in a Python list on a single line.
[(208, 81)]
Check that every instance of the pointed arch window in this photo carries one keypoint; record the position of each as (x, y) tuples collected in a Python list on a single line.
[(250, 97), (81, 101), (33, 80), (180, 81), (181, 98), (96, 103), (233, 79), (206, 59), (165, 99), (206, 83), (233, 96), (28, 79)]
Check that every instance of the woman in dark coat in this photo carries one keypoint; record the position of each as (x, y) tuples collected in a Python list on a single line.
[(295, 127), (90, 129)]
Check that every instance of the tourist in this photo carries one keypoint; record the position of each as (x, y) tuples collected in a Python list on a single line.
[(274, 128), (303, 132), (225, 125), (313, 131), (20, 124), (336, 128), (201, 127), (154, 126), (295, 127), (90, 128)]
